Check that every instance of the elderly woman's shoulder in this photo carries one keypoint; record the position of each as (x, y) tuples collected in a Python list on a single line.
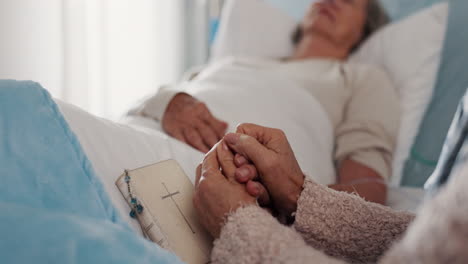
[(366, 72)]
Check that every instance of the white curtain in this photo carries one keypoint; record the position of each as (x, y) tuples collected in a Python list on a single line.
[(101, 55), (31, 42)]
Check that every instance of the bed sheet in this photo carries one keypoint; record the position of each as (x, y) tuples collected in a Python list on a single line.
[(405, 198), (113, 147)]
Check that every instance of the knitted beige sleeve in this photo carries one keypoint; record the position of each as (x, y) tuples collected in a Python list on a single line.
[(440, 232), (346, 226), (252, 235)]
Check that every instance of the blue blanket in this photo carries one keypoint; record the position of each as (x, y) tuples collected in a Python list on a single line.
[(53, 207)]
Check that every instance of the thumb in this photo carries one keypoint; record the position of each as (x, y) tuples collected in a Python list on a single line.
[(249, 147)]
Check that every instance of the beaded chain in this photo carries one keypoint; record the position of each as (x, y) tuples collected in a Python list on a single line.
[(136, 206)]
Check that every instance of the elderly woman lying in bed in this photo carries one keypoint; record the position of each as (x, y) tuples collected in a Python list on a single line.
[(359, 101)]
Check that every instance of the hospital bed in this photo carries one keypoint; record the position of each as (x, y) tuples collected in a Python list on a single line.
[(43, 138)]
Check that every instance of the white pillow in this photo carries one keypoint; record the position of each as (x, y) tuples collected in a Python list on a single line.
[(253, 28), (410, 52)]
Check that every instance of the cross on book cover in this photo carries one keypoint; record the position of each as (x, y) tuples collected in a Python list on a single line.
[(160, 198)]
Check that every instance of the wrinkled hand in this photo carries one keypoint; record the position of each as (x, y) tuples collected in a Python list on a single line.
[(190, 121), (246, 173), (217, 193), (271, 155)]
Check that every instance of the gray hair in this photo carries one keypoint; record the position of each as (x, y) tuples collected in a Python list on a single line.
[(376, 18)]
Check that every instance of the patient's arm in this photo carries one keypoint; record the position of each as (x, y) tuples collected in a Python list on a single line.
[(183, 117), (190, 121), (366, 138), (354, 177)]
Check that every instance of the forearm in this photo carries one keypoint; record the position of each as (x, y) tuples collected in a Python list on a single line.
[(155, 106), (355, 177), (374, 192), (345, 225), (251, 235)]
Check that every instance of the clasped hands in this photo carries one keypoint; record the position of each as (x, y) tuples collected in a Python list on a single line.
[(253, 167)]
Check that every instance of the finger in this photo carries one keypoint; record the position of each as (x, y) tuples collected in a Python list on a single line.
[(260, 133), (250, 148), (198, 175), (272, 138), (240, 160), (259, 191), (194, 139), (226, 160), (210, 162), (179, 135), (209, 136), (246, 173), (218, 126)]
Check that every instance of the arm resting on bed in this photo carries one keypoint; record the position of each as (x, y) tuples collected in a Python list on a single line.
[(354, 177)]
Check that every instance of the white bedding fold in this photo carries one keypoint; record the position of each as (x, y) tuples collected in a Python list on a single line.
[(113, 147)]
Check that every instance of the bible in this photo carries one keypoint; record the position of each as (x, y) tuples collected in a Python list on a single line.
[(160, 198)]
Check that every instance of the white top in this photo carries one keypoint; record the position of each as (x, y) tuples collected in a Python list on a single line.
[(360, 101)]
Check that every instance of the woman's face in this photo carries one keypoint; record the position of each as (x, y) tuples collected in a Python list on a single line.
[(340, 21)]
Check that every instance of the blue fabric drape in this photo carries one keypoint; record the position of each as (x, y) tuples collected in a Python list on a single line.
[(53, 207), (452, 82)]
